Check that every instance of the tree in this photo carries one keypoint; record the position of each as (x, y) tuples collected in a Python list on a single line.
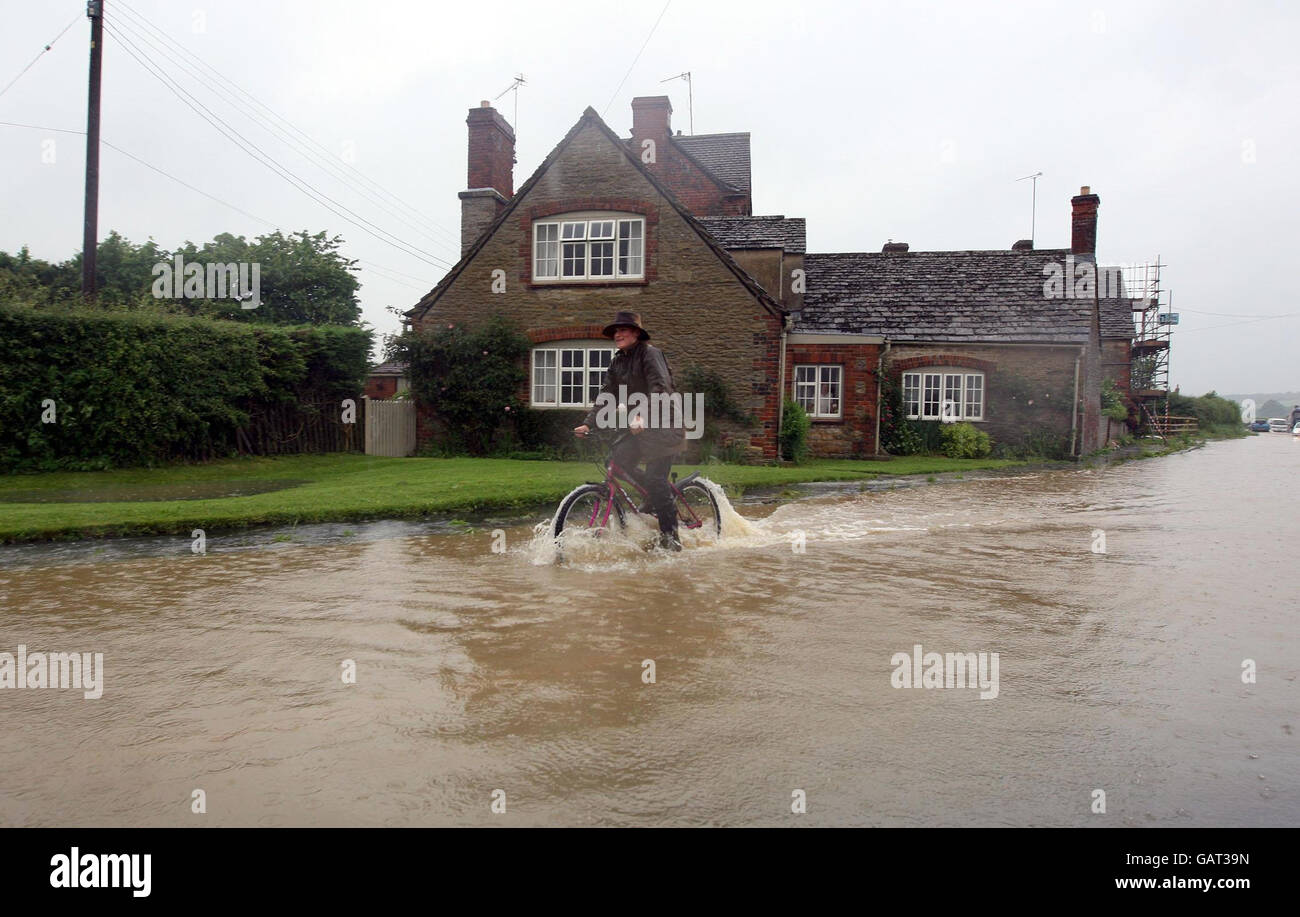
[(302, 277)]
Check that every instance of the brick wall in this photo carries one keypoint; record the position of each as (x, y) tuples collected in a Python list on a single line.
[(693, 186), (1117, 362), (695, 309), (379, 387), (854, 434)]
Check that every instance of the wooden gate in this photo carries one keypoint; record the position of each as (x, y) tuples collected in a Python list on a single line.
[(390, 428)]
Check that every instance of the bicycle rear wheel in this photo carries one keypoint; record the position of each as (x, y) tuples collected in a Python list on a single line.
[(586, 508), (697, 511)]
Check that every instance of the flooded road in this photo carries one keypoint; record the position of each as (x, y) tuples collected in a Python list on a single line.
[(774, 670)]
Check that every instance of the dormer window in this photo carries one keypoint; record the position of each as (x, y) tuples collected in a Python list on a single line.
[(589, 247)]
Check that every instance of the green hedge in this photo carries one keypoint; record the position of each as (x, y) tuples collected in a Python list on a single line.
[(141, 389)]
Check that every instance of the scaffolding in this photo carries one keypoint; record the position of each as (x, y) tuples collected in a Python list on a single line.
[(1154, 322)]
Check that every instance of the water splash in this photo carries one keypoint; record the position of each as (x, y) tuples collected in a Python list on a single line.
[(598, 548)]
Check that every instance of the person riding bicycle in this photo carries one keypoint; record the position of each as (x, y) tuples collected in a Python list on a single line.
[(641, 368)]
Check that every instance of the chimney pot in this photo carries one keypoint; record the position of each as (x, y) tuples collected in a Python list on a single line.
[(1085, 190), (485, 104)]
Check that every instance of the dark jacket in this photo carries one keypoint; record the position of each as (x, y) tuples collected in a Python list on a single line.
[(644, 370)]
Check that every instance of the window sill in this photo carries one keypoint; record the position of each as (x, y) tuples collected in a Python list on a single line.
[(547, 284)]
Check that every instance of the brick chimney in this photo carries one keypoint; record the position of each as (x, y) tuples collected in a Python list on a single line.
[(1083, 235), (651, 119), (491, 181)]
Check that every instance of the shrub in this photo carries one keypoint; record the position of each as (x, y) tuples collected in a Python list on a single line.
[(962, 440), (1214, 415), (794, 432), (719, 405), (1112, 403), (469, 378)]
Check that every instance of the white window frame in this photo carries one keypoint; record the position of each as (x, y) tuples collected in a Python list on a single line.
[(589, 248), (930, 391), (556, 369), (818, 386)]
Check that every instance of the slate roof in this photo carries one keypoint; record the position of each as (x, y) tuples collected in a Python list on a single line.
[(390, 369), (1117, 318), (758, 232), (725, 156), (974, 296)]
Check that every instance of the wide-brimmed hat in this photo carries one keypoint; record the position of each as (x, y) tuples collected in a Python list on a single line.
[(631, 320)]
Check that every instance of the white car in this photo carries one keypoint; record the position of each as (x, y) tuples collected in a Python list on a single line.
[(1278, 425), (1295, 431)]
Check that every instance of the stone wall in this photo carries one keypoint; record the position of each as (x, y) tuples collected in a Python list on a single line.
[(1028, 390)]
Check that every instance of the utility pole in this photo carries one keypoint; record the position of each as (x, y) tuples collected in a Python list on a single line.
[(90, 237)]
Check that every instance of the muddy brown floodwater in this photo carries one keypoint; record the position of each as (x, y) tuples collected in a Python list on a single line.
[(774, 670)]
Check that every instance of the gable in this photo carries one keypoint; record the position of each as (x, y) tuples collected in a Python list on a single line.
[(591, 169)]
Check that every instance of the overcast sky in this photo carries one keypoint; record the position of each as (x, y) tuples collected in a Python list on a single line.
[(906, 121)]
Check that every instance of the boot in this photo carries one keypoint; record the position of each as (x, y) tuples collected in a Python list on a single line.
[(668, 541)]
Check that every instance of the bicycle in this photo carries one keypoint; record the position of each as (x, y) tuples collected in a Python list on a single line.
[(591, 506)]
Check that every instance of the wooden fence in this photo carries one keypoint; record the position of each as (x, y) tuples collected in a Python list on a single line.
[(1167, 425), (294, 428), (390, 428)]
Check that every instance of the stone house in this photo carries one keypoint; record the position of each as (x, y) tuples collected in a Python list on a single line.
[(662, 224)]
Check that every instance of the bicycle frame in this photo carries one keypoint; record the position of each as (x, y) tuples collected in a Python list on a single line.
[(616, 476)]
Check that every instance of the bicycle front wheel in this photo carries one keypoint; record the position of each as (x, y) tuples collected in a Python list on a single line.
[(697, 511), (588, 508)]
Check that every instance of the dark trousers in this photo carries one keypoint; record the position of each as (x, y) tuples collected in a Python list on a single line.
[(627, 455)]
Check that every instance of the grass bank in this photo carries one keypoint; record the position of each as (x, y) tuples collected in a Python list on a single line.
[(239, 493)]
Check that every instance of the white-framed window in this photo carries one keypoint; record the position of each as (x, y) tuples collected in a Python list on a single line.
[(817, 389), (595, 248), (943, 394), (569, 374)]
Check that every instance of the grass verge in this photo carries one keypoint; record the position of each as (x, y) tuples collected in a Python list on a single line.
[(344, 487)]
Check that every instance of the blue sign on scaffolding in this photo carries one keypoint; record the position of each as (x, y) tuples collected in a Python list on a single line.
[(1169, 318)]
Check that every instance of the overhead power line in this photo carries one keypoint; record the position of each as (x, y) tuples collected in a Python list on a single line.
[(230, 133), (39, 53), (381, 269), (278, 123), (637, 58)]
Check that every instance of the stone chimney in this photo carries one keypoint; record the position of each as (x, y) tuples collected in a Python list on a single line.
[(1024, 245), (651, 120), (894, 247), (1083, 235), (491, 181)]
